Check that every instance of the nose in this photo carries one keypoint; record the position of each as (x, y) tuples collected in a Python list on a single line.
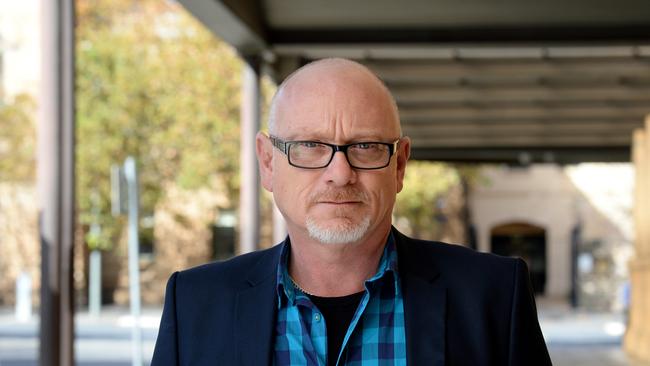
[(339, 172)]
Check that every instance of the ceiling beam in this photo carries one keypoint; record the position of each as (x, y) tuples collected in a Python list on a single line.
[(490, 137), (508, 69), (425, 114), (532, 140), (468, 127), (490, 154), (475, 35), (492, 82), (549, 121), (464, 52), (479, 104), (238, 23), (532, 93)]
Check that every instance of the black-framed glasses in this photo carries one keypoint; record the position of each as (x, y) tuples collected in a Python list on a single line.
[(315, 155)]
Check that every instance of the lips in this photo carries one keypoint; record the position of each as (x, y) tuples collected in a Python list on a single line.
[(339, 197), (340, 202)]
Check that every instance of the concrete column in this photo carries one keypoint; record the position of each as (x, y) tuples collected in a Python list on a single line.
[(637, 338), (482, 236), (55, 181), (249, 195), (558, 261), (643, 265), (641, 159), (279, 226)]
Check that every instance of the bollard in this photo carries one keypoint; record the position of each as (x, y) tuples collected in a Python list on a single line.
[(23, 297)]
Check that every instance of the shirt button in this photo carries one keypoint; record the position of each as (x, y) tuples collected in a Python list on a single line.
[(317, 317)]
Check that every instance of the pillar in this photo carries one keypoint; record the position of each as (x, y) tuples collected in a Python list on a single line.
[(558, 260), (637, 339), (55, 182), (279, 226), (249, 194)]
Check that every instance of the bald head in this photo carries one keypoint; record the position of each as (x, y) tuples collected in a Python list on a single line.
[(333, 80), (349, 199)]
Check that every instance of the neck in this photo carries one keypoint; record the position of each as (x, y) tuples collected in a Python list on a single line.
[(330, 270)]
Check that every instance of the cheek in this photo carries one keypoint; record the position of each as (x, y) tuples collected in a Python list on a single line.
[(383, 191), (388, 197), (285, 199), (290, 189)]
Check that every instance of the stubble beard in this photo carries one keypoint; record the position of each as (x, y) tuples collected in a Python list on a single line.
[(347, 226), (341, 233)]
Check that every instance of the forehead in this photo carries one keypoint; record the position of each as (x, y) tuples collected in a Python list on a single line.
[(339, 102)]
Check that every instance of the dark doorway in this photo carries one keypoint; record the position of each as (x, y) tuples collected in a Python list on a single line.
[(523, 240)]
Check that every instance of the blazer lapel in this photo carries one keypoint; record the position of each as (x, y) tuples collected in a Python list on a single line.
[(425, 305), (424, 317), (424, 310), (255, 311)]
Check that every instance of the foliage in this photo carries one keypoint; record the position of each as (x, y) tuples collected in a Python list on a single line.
[(425, 183), (155, 84), (18, 140)]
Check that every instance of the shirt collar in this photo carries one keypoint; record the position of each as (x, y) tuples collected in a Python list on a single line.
[(286, 291)]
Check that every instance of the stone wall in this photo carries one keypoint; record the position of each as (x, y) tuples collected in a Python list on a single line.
[(555, 198)]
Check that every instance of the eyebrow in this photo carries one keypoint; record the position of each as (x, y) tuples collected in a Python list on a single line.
[(373, 138)]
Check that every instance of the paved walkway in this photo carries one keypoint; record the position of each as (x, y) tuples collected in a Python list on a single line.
[(574, 338), (579, 338), (100, 341)]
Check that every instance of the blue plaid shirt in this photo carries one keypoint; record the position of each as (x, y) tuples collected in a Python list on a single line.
[(375, 335)]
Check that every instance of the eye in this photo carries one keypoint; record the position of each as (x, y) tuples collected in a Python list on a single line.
[(308, 144), (365, 146)]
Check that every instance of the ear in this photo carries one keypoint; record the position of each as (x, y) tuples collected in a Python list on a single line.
[(403, 153), (264, 150)]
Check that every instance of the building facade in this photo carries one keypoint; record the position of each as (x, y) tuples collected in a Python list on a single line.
[(573, 226)]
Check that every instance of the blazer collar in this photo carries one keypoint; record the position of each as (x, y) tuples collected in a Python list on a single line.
[(255, 311), (425, 303)]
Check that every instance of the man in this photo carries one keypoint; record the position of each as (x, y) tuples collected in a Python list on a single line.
[(345, 288)]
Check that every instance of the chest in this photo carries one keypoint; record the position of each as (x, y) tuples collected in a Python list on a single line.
[(319, 331)]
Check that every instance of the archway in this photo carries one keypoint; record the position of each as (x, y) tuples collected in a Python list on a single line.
[(520, 239)]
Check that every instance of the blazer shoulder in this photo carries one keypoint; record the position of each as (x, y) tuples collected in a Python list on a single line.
[(455, 261), (254, 266)]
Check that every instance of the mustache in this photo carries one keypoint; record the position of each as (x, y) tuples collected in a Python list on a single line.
[(338, 195)]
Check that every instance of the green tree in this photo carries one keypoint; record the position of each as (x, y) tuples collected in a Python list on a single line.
[(424, 184), (18, 140), (155, 84)]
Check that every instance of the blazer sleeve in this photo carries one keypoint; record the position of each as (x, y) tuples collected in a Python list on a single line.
[(527, 345), (166, 350)]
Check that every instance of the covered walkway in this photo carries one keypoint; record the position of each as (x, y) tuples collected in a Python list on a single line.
[(517, 82), (514, 81)]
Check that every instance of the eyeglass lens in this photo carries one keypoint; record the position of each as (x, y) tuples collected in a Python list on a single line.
[(361, 155)]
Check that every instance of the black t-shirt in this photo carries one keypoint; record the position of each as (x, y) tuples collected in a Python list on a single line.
[(338, 313)]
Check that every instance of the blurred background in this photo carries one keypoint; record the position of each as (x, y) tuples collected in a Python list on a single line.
[(529, 132)]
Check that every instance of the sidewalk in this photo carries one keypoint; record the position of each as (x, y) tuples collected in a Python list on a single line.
[(99, 341), (574, 338), (580, 338)]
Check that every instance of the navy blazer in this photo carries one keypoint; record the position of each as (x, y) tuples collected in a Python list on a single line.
[(461, 308)]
